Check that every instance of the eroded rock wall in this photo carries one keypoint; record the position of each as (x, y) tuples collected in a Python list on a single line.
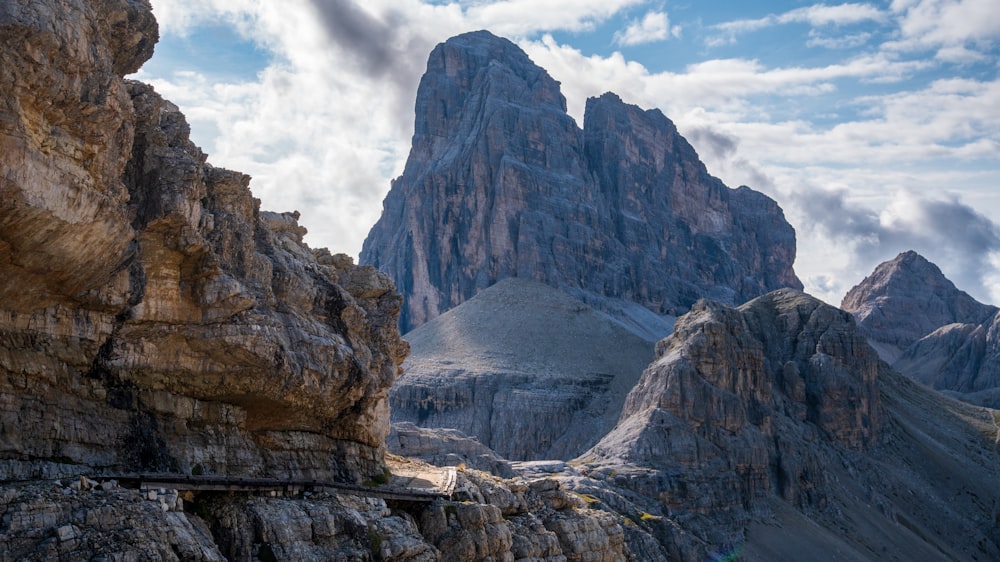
[(153, 318), (501, 182)]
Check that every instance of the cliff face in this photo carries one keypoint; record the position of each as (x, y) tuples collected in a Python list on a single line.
[(500, 182), (777, 414), (929, 329), (743, 390), (152, 318)]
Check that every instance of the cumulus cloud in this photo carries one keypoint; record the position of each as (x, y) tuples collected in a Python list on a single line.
[(360, 33), (926, 24), (946, 231), (654, 26), (327, 124), (718, 144)]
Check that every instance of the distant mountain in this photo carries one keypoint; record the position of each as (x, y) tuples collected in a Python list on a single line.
[(501, 182), (929, 329), (905, 299), (528, 370)]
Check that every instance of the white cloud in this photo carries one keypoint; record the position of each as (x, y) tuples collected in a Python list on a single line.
[(327, 124), (654, 26), (817, 15), (947, 22), (837, 41), (523, 17)]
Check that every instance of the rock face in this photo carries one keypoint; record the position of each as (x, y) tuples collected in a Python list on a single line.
[(778, 415), (962, 360), (445, 447), (929, 329), (905, 299), (501, 182), (529, 371), (495, 519), (738, 394), (152, 318)]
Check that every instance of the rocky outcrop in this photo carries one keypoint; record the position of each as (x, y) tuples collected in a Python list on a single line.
[(905, 299), (445, 447), (526, 369), (929, 329), (777, 420), (501, 182), (494, 519), (738, 393), (152, 317), (962, 360)]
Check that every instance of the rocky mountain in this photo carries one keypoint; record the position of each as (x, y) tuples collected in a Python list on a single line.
[(153, 319), (929, 329), (905, 299), (526, 369), (774, 431), (501, 182)]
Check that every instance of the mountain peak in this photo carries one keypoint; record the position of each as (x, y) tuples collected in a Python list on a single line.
[(501, 182), (905, 299)]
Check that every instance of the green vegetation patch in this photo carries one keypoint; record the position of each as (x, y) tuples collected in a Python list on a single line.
[(587, 498)]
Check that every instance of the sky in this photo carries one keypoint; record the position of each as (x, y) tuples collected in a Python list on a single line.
[(875, 125)]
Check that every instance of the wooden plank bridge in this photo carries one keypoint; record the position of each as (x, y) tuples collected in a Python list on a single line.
[(422, 486)]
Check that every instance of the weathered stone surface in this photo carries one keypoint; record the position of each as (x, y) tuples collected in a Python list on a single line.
[(778, 413), (445, 447), (962, 360), (905, 299), (529, 371), (929, 329), (500, 182), (47, 521), (736, 395), (151, 318)]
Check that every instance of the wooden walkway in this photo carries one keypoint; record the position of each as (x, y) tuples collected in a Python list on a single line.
[(423, 486)]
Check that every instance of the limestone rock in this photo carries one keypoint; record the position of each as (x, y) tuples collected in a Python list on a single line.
[(962, 360), (929, 329), (743, 390), (777, 414), (43, 523), (905, 299), (529, 371), (501, 182), (151, 317), (445, 447)]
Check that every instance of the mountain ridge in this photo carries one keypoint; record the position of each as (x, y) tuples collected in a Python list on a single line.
[(929, 329), (501, 182)]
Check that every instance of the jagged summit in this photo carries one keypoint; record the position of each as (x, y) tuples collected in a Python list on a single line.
[(929, 329), (778, 410), (905, 299), (501, 182)]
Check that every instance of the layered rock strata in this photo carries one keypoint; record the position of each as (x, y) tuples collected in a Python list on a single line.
[(929, 329), (152, 317), (501, 182), (529, 371), (778, 415), (495, 519)]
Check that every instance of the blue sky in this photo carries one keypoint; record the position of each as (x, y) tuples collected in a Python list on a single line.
[(875, 125)]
